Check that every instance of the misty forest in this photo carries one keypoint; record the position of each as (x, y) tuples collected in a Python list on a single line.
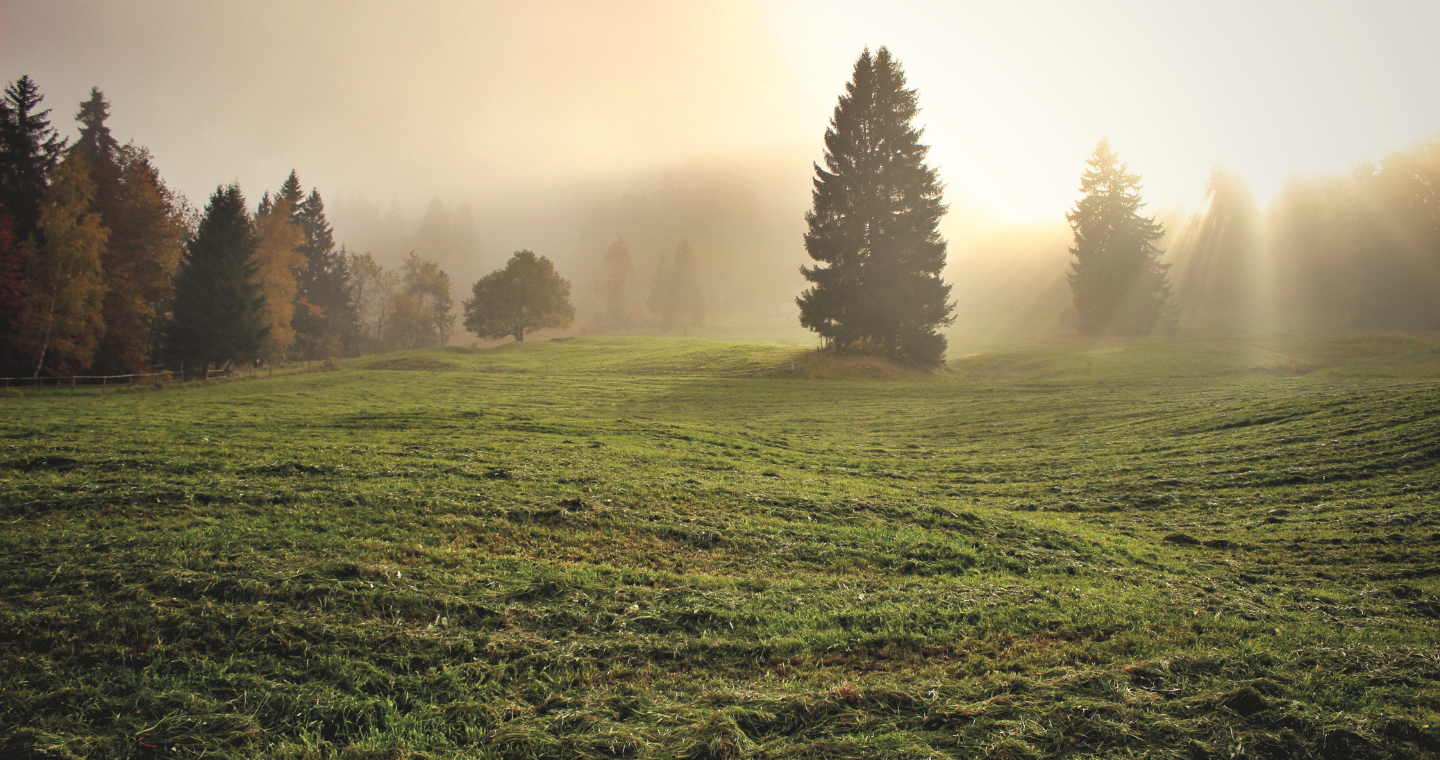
[(899, 444)]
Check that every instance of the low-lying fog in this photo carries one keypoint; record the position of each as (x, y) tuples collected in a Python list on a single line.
[(465, 131)]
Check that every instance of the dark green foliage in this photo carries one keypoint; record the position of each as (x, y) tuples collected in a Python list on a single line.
[(324, 318), (874, 226), (29, 149), (528, 294), (1120, 286), (291, 191), (217, 316), (12, 295), (570, 564), (95, 139), (99, 149)]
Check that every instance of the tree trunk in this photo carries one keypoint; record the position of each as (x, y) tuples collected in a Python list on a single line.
[(49, 323), (520, 335)]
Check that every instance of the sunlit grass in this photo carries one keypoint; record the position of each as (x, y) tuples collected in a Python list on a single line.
[(635, 547)]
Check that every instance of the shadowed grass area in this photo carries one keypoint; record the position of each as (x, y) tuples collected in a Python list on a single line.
[(609, 547)]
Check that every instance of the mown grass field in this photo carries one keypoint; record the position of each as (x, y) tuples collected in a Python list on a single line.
[(1162, 549)]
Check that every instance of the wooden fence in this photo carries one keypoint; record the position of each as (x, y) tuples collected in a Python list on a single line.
[(75, 382)]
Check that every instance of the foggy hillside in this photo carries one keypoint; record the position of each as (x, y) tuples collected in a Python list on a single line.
[(744, 220)]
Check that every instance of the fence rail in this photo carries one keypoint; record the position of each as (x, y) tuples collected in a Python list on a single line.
[(87, 381), (73, 382)]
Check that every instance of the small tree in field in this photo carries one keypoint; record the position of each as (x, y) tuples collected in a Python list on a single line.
[(526, 295)]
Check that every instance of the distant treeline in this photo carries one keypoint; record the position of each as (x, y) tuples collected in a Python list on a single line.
[(104, 269), (1354, 251), (1358, 250)]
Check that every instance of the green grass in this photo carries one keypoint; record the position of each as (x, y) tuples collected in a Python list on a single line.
[(1165, 549)]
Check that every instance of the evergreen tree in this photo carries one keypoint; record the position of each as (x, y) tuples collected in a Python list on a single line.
[(145, 239), (100, 150), (95, 138), (1117, 280), (219, 309), (874, 226), (64, 284), (675, 294), (528, 294), (29, 150), (278, 257), (324, 316), (291, 192)]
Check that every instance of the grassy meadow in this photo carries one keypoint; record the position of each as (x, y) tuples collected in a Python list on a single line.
[(648, 547)]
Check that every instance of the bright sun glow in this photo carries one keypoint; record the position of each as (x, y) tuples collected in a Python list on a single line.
[(1016, 94)]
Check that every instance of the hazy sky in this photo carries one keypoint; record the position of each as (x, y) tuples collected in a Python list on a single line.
[(489, 100)]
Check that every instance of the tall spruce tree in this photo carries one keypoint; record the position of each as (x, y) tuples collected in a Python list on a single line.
[(218, 315), (100, 150), (145, 239), (291, 192), (1118, 282), (874, 226), (29, 150), (324, 316)]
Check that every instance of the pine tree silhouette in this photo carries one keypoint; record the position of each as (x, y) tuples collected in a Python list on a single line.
[(874, 226), (1118, 282)]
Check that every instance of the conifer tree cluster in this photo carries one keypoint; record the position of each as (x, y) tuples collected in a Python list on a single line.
[(104, 269), (874, 226)]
